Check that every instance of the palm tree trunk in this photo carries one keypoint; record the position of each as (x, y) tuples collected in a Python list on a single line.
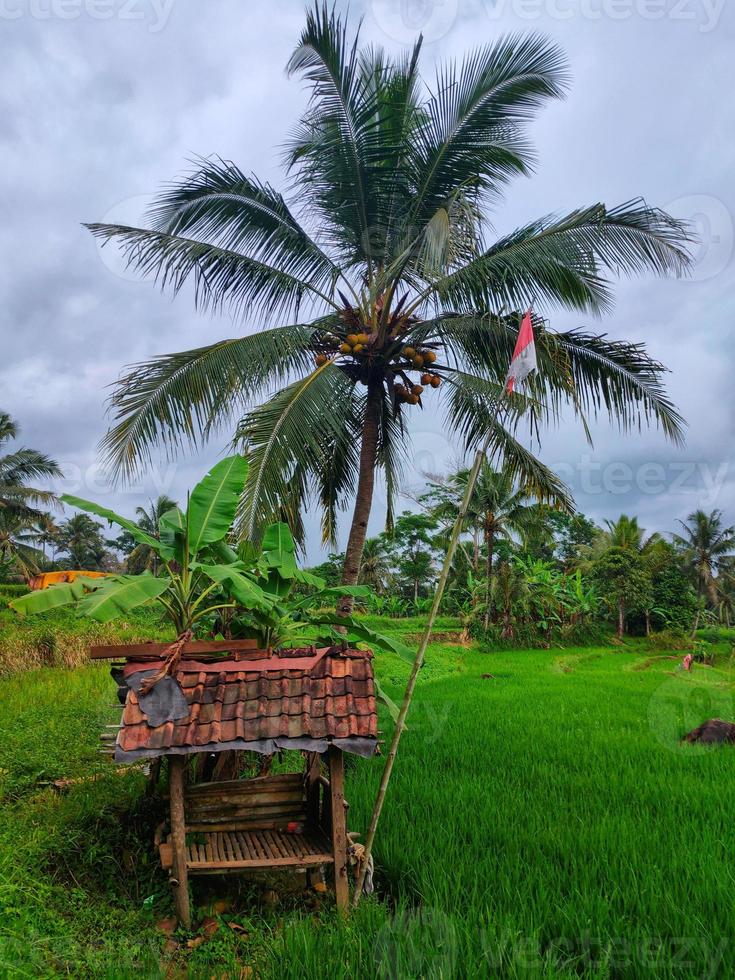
[(621, 618), (648, 622), (364, 496), (490, 543), (695, 627)]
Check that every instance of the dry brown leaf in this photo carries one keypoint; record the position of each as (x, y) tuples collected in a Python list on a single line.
[(208, 929), (246, 973), (236, 927), (167, 926)]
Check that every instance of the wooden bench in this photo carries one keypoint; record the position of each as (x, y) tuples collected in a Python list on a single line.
[(291, 821), (253, 823)]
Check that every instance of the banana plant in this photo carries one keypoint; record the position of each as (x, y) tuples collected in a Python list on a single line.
[(292, 617), (200, 575)]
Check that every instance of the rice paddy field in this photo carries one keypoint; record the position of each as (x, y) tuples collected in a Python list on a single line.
[(542, 822)]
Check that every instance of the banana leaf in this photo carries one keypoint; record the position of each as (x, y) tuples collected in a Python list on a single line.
[(55, 596), (213, 502), (363, 633), (247, 592), (172, 532), (118, 594)]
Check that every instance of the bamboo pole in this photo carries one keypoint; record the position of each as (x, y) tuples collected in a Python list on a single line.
[(418, 661)]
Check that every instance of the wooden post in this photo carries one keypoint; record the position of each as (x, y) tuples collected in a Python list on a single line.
[(177, 766), (339, 826)]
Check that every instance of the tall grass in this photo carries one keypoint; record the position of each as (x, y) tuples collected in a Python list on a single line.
[(62, 639)]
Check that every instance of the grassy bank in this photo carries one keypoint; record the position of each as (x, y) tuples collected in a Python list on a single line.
[(542, 822), (61, 639)]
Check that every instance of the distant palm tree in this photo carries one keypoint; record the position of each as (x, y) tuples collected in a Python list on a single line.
[(375, 569), (377, 289), (19, 502), (45, 532), (703, 546), (624, 533), (498, 510), (81, 539), (142, 557), (17, 469), (18, 556)]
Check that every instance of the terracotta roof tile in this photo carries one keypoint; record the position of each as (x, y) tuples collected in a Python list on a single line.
[(335, 699)]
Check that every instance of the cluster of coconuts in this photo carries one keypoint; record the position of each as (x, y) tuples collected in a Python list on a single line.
[(407, 394), (353, 343), (419, 358)]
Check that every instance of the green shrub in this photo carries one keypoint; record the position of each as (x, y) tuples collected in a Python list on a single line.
[(670, 639), (528, 636)]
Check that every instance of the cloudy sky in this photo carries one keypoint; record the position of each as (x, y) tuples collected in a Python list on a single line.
[(102, 101)]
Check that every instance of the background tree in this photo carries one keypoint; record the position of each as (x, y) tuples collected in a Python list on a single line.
[(673, 598), (19, 558), (45, 531), (375, 570), (624, 581), (412, 544), (141, 557), (705, 543), (18, 469), (80, 538), (20, 501), (572, 533), (382, 287)]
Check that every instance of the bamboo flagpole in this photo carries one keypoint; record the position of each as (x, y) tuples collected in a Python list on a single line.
[(521, 365)]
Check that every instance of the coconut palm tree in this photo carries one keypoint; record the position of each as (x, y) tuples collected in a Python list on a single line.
[(81, 539), (705, 543), (375, 569), (626, 533), (142, 557), (374, 293), (17, 469), (45, 533), (498, 510), (18, 556)]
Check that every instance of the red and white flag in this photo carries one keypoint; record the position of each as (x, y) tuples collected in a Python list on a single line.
[(524, 355)]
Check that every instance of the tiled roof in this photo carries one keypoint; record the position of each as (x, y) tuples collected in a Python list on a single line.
[(333, 700)]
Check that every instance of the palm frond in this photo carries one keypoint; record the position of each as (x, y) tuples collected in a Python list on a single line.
[(565, 262), (220, 204), (177, 399), (288, 439), (327, 151), (472, 134), (588, 371), (472, 415), (26, 464), (222, 277)]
